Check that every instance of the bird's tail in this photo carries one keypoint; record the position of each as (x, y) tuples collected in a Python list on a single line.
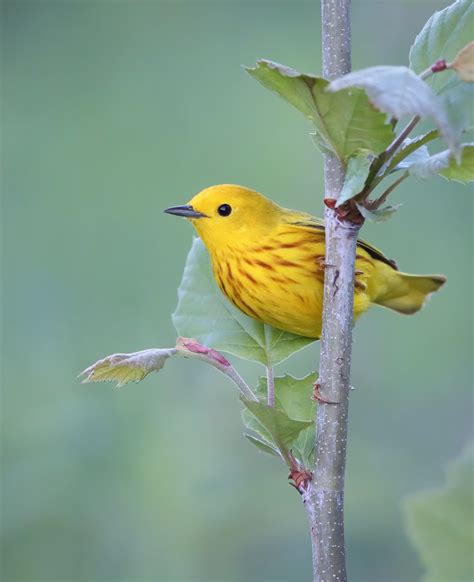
[(405, 293)]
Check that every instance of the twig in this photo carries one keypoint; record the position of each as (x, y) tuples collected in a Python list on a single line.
[(381, 200)]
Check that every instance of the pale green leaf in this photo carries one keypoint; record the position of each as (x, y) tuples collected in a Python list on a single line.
[(380, 214), (345, 122), (442, 37), (399, 92), (458, 101), (303, 447), (293, 398), (255, 426), (440, 524), (417, 155), (463, 172), (125, 368), (358, 168), (444, 163), (205, 314), (262, 445), (283, 430), (292, 395)]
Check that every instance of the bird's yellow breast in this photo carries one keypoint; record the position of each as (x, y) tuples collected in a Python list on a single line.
[(279, 279)]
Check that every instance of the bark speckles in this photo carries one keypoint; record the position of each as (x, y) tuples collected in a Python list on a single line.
[(325, 501)]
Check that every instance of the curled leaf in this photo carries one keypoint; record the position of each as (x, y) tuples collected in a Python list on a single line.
[(380, 214), (125, 368), (358, 168), (447, 166), (399, 92)]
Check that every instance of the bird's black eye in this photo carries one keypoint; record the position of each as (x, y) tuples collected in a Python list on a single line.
[(224, 210)]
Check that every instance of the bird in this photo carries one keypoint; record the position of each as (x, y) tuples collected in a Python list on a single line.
[(269, 261)]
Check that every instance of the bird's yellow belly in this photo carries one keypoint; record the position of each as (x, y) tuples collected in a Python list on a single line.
[(283, 288)]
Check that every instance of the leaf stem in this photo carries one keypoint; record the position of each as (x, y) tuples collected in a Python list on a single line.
[(241, 384), (270, 387), (381, 200), (373, 180), (398, 141)]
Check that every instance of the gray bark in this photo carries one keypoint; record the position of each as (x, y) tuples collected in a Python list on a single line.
[(324, 498)]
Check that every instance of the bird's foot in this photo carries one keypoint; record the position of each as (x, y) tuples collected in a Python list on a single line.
[(318, 396), (321, 261)]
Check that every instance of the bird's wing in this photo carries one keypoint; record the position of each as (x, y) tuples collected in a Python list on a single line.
[(308, 221)]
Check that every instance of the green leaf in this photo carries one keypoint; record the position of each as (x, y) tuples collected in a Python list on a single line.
[(412, 151), (417, 155), (358, 168), (282, 429), (292, 395), (399, 92), (205, 314), (442, 37), (125, 368), (439, 523), (446, 165), (463, 172), (458, 98), (255, 426), (293, 398), (345, 122), (262, 445), (379, 215), (304, 446)]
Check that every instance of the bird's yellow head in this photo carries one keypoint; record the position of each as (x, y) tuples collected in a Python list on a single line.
[(226, 214)]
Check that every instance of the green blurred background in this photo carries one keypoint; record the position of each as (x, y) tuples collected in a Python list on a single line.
[(112, 111)]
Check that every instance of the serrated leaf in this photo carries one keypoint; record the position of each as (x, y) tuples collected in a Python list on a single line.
[(262, 445), (463, 63), (205, 314), (125, 368), (345, 122), (282, 429), (439, 523), (379, 215), (444, 34), (399, 92), (446, 165), (358, 168)]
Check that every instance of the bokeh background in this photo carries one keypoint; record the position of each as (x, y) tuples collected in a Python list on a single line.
[(112, 111)]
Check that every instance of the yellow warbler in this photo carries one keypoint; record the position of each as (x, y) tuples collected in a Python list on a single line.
[(269, 261)]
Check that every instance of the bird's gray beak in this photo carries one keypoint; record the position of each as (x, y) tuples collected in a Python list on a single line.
[(185, 211)]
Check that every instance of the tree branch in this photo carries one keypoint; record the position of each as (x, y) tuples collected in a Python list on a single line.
[(324, 499)]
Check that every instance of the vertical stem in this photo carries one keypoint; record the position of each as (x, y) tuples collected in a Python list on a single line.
[(324, 499), (270, 386)]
